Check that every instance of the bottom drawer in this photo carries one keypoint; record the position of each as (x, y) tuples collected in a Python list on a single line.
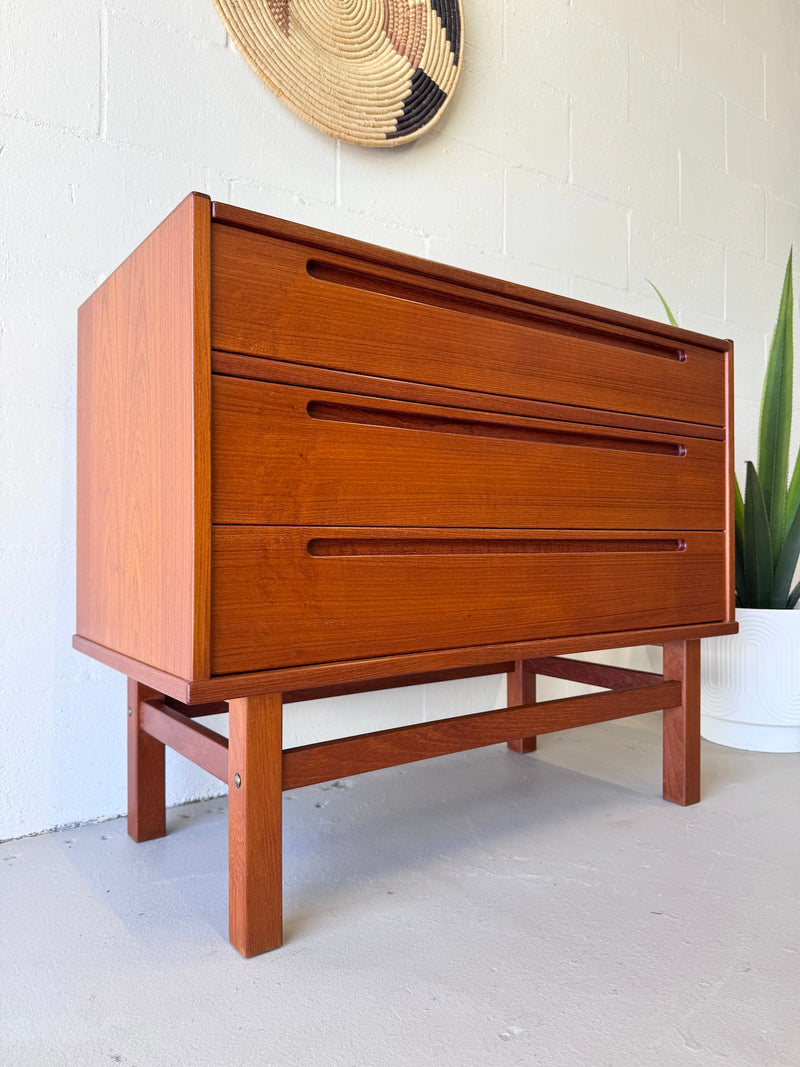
[(286, 596)]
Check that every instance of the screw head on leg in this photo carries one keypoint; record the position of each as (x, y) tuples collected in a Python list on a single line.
[(237, 780)]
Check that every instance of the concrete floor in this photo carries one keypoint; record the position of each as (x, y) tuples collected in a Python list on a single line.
[(480, 909)]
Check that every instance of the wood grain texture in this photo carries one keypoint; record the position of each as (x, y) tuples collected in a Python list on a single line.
[(143, 468), (418, 473), (521, 689), (309, 764), (295, 696), (264, 302), (560, 306), (254, 824), (346, 411), (278, 371), (373, 544), (201, 435), (373, 685), (160, 681), (600, 674), (146, 797), (367, 278), (682, 724), (275, 604), (195, 742), (288, 456), (198, 711), (359, 672)]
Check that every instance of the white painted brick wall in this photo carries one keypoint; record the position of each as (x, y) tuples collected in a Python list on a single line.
[(723, 58), (435, 185), (688, 267), (667, 103), (518, 119), (622, 162), (51, 66), (654, 28), (713, 199), (782, 96), (561, 45), (783, 227), (592, 144), (563, 226), (758, 153)]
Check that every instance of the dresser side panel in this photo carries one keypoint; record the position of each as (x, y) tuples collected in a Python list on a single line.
[(143, 496)]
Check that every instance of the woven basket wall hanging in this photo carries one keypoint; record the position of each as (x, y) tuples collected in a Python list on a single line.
[(372, 72)]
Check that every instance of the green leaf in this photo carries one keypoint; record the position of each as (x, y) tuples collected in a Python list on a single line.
[(740, 582), (793, 496), (786, 565), (671, 318), (776, 417), (740, 585), (757, 550), (738, 506), (794, 596)]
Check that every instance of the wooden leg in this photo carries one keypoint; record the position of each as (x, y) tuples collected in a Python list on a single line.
[(254, 824), (521, 689), (682, 724), (146, 809)]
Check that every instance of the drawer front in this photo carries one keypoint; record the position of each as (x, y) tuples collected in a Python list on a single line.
[(301, 595), (284, 455), (285, 301)]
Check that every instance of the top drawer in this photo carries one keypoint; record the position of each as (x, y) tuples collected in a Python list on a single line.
[(286, 301)]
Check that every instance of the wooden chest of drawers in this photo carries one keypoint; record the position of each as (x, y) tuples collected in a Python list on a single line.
[(308, 465)]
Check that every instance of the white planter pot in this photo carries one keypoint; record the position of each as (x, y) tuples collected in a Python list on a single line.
[(751, 683)]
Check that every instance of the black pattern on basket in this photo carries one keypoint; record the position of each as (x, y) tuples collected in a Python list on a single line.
[(372, 72)]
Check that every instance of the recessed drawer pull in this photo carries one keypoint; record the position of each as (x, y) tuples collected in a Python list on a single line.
[(296, 302), (460, 546), (355, 414), (472, 304)]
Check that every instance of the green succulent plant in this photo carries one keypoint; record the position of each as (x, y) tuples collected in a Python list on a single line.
[(767, 517)]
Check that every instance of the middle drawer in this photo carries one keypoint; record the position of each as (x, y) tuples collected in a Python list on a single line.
[(289, 455)]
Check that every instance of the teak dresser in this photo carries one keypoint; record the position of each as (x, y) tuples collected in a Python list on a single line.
[(308, 466)]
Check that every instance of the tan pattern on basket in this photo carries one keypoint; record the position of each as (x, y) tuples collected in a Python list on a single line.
[(372, 72)]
